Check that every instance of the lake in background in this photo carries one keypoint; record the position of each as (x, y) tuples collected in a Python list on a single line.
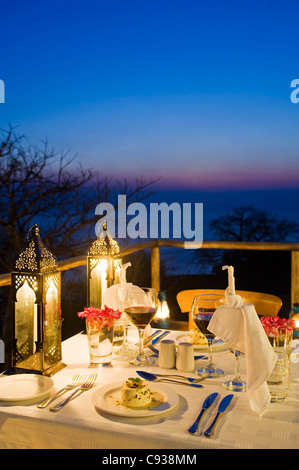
[(283, 203)]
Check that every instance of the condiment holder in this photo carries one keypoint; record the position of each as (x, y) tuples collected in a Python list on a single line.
[(185, 357), (167, 354), (182, 358)]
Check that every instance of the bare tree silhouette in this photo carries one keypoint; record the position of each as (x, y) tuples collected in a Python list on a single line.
[(45, 186)]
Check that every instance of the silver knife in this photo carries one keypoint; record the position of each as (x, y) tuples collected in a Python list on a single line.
[(221, 409), (151, 337), (206, 404), (148, 339), (156, 340)]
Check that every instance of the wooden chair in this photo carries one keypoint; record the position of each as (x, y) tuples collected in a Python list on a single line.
[(266, 305)]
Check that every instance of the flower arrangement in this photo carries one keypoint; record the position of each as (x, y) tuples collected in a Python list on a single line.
[(279, 330), (100, 316), (274, 326)]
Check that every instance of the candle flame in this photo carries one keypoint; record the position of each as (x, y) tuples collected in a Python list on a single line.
[(162, 311)]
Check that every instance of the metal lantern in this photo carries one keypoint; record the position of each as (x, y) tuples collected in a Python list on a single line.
[(36, 288), (103, 267)]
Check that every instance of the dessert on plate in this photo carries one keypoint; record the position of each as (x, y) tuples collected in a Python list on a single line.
[(135, 393)]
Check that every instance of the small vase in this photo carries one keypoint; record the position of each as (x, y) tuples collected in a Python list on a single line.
[(100, 341), (279, 380)]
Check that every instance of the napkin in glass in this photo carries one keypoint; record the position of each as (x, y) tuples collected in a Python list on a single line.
[(239, 326), (112, 296)]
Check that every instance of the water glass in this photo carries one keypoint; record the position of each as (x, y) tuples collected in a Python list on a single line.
[(118, 335), (279, 380), (100, 342)]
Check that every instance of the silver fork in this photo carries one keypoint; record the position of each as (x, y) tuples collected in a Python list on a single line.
[(89, 383), (72, 384)]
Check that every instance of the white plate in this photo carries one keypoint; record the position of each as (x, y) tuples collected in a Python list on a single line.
[(217, 344), (21, 387), (105, 399)]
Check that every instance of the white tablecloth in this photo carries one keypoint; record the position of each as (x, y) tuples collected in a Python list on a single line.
[(80, 426)]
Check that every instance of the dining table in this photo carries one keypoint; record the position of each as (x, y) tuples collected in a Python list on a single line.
[(82, 425)]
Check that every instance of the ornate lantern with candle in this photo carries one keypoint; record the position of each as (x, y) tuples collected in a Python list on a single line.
[(103, 267), (36, 288)]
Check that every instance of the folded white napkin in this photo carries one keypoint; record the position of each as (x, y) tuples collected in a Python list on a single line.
[(241, 329), (111, 297)]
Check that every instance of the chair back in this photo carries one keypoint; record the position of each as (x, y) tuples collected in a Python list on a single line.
[(266, 305)]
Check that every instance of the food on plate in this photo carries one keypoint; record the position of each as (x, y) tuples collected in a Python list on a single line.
[(135, 393), (196, 337)]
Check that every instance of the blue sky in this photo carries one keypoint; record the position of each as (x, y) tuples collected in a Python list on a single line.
[(194, 92)]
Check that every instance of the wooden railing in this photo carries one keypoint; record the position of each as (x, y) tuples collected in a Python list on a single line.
[(155, 245)]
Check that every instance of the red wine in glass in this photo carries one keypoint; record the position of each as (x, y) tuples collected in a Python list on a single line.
[(202, 320), (203, 308), (140, 305), (141, 316)]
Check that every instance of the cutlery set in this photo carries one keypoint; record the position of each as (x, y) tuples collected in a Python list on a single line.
[(225, 402), (79, 387), (154, 338), (172, 378), (168, 378), (73, 384), (192, 382)]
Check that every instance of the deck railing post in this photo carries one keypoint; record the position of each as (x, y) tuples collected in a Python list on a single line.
[(295, 278), (155, 268)]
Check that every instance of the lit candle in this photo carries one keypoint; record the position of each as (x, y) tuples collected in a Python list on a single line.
[(103, 271), (296, 329), (162, 311), (117, 273)]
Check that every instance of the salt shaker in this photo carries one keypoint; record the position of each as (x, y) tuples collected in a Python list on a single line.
[(185, 357), (167, 354)]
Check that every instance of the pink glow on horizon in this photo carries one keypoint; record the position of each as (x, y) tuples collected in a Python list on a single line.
[(221, 180)]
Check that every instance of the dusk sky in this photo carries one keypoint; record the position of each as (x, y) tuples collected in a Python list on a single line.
[(194, 92)]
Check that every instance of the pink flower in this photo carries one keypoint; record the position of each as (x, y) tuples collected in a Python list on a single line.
[(274, 325), (105, 316)]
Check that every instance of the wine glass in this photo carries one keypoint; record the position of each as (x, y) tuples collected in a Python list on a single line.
[(125, 349), (236, 384), (121, 327), (141, 304), (203, 307)]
